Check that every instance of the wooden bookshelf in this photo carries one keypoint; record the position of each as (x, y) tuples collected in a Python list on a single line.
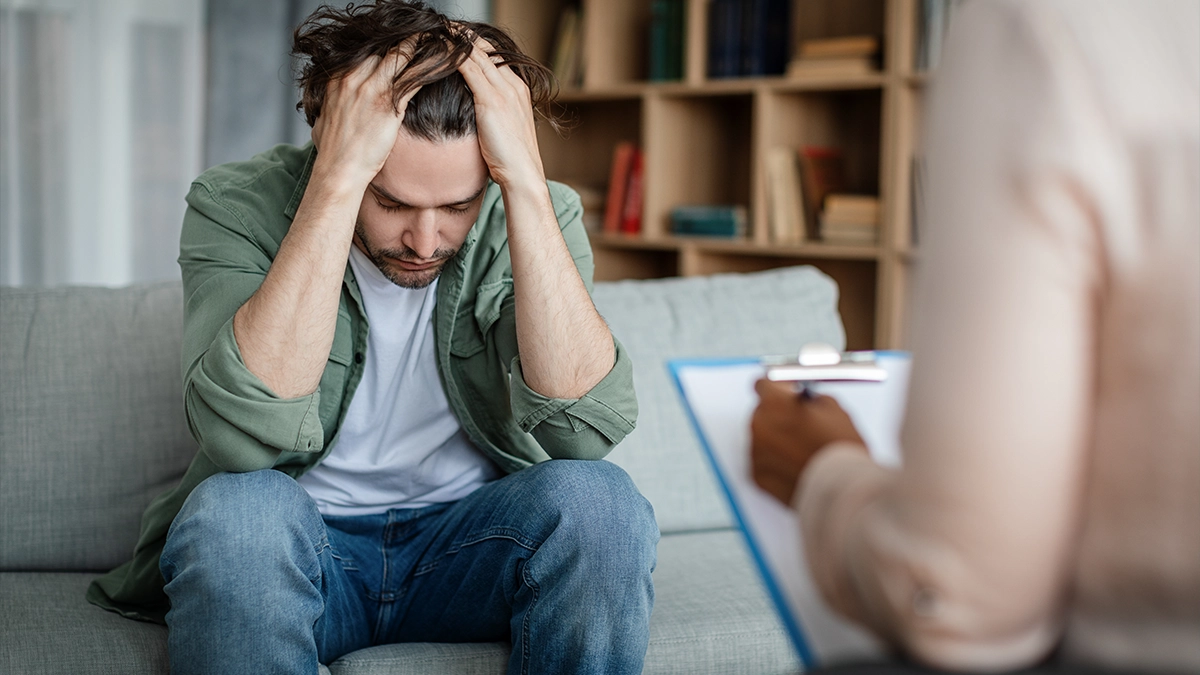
[(705, 139)]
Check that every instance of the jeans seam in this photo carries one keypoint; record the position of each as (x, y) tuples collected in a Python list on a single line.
[(500, 533), (525, 630)]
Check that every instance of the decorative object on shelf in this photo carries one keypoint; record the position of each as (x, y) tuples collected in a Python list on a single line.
[(668, 27), (567, 62), (933, 21), (850, 219), (709, 221), (822, 173), (623, 160), (748, 38), (836, 57), (785, 203)]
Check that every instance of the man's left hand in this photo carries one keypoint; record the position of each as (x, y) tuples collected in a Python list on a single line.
[(787, 430), (504, 120)]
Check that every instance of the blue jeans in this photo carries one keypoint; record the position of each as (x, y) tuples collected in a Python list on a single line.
[(556, 558)]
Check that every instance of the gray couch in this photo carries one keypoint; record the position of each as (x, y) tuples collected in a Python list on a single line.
[(92, 428)]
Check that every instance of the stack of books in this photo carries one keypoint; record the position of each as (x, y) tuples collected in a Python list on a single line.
[(850, 219), (836, 57), (623, 208)]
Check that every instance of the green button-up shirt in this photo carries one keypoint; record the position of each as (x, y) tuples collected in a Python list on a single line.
[(236, 219)]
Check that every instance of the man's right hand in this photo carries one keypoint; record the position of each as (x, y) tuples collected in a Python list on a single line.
[(357, 127)]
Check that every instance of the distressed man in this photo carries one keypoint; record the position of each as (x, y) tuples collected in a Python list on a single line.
[(387, 334)]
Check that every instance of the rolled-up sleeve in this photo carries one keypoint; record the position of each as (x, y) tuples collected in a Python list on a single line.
[(584, 428), (239, 423), (590, 426)]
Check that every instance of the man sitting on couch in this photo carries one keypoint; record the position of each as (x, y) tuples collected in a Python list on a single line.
[(359, 486)]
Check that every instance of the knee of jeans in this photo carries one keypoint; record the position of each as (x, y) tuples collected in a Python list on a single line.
[(244, 512), (598, 506)]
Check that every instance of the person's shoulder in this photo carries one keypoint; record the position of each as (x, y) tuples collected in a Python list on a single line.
[(564, 198), (271, 176)]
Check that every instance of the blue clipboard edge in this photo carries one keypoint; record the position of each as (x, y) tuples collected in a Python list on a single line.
[(790, 622)]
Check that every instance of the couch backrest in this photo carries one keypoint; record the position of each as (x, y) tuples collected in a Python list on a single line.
[(91, 420), (725, 315), (92, 425)]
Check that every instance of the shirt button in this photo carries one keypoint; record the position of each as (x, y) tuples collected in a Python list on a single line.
[(358, 357)]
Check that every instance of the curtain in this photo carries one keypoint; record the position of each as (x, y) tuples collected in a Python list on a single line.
[(100, 130), (108, 110)]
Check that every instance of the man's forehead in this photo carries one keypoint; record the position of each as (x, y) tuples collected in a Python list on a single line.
[(420, 172)]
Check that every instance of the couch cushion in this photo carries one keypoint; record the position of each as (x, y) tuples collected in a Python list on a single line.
[(772, 312), (91, 420), (710, 616), (48, 628)]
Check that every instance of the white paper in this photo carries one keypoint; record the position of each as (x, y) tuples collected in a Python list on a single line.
[(722, 400)]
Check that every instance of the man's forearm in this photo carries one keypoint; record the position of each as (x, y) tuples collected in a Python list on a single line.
[(285, 330), (566, 348)]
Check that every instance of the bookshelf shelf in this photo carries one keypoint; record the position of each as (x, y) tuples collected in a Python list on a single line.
[(704, 142)]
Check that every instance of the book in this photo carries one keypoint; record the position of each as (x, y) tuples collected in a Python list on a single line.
[(853, 46), (719, 398), (631, 211), (851, 209), (765, 37), (667, 31), (785, 203), (842, 67), (709, 221), (618, 183), (568, 48), (724, 38), (821, 173)]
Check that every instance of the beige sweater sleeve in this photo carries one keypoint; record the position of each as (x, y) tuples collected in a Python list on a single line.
[(960, 558)]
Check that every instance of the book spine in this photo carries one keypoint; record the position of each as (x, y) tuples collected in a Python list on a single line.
[(631, 217), (618, 183), (660, 19)]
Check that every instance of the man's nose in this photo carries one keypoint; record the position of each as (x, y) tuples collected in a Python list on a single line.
[(422, 237)]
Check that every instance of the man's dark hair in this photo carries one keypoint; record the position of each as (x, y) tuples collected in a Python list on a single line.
[(332, 42)]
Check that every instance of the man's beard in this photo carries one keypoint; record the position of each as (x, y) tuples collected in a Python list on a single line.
[(397, 275)]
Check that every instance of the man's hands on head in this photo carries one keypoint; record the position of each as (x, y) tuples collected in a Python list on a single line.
[(787, 430), (504, 120), (358, 124)]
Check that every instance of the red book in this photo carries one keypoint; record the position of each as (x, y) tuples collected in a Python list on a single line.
[(631, 217), (618, 183), (821, 172)]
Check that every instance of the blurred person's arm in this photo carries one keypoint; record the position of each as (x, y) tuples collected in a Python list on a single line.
[(962, 557)]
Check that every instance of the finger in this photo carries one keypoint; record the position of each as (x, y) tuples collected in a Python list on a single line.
[(361, 73), (488, 67), (770, 390)]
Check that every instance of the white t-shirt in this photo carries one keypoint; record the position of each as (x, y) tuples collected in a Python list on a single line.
[(400, 445)]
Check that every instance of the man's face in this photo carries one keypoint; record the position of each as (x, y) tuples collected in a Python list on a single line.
[(418, 209)]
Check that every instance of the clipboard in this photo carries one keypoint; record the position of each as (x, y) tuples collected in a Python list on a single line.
[(719, 398)]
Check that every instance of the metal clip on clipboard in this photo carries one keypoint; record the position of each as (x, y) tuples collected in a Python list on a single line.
[(819, 362)]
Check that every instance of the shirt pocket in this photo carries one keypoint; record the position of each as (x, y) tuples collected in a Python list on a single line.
[(474, 322)]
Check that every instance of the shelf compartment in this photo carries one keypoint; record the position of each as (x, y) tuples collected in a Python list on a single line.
[(848, 120), (614, 264), (816, 19), (699, 153), (583, 154)]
